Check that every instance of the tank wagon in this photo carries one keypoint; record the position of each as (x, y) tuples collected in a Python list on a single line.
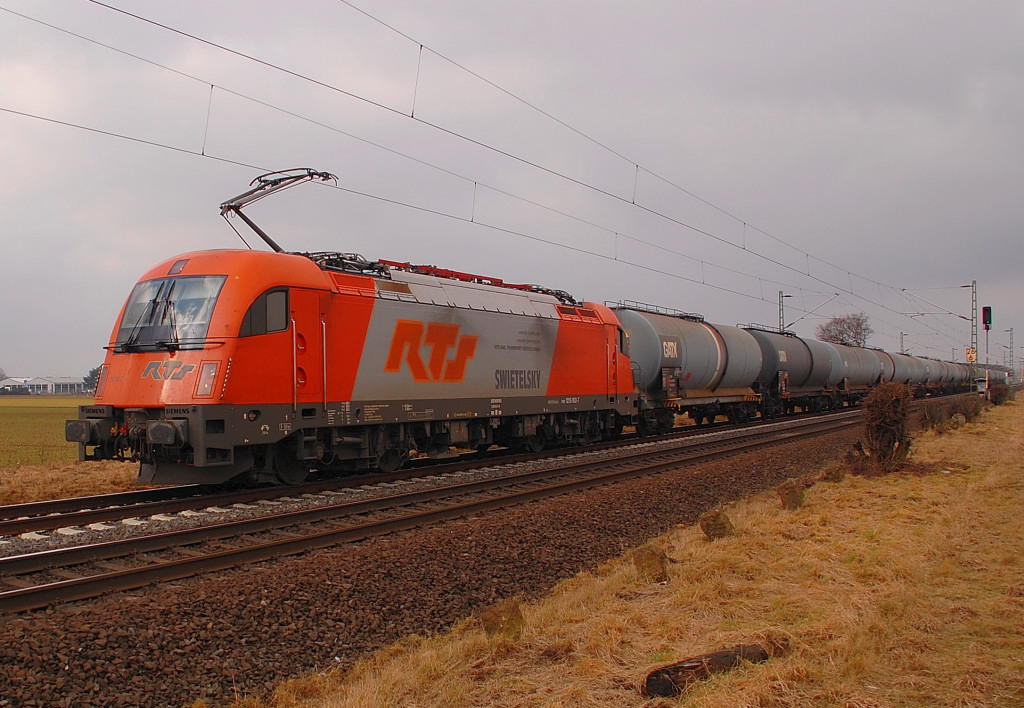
[(683, 364), (985, 376), (795, 372)]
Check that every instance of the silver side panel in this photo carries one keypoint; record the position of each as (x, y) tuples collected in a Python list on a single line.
[(428, 352)]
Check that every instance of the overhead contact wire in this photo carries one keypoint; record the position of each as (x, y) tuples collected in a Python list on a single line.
[(501, 152)]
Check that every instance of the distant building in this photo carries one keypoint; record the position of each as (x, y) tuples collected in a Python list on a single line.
[(44, 385), (14, 385)]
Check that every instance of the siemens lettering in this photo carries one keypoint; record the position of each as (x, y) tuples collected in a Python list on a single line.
[(516, 378)]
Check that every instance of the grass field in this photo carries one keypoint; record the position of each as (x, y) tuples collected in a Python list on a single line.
[(37, 463), (32, 429), (898, 590)]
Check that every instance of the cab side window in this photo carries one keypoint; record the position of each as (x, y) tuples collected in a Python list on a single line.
[(268, 313)]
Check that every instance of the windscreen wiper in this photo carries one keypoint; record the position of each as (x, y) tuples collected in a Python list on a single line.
[(129, 344), (168, 313)]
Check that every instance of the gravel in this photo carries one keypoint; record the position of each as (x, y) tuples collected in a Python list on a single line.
[(205, 516), (240, 632)]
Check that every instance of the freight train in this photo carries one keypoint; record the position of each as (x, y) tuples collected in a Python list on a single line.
[(270, 366)]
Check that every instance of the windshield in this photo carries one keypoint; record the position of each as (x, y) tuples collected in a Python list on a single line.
[(169, 313)]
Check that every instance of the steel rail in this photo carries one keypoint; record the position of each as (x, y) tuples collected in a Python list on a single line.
[(81, 511), (71, 504), (63, 557), (82, 588), (78, 511)]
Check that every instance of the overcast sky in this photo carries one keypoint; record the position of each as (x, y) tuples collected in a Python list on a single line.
[(701, 156)]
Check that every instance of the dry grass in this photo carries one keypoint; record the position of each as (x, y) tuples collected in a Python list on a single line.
[(37, 463), (28, 483), (901, 590)]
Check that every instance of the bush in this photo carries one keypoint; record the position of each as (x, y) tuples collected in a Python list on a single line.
[(936, 412), (999, 393), (969, 406), (886, 412)]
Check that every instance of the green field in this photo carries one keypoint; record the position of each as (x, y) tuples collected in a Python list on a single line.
[(32, 429)]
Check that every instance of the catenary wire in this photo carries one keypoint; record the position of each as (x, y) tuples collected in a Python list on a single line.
[(507, 154), (650, 210), (380, 146)]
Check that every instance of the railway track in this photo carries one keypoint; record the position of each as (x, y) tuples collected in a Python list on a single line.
[(40, 516), (80, 512), (62, 575)]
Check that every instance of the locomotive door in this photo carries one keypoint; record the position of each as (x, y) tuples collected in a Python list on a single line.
[(307, 346), (613, 347)]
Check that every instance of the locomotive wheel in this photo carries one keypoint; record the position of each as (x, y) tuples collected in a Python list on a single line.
[(534, 443), (291, 474), (390, 461), (288, 471)]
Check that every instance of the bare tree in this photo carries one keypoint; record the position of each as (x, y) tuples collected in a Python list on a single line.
[(852, 330), (3, 374)]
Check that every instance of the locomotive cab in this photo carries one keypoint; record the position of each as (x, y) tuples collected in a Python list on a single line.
[(162, 396)]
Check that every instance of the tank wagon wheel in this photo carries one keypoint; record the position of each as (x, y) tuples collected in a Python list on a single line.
[(739, 415), (613, 432), (665, 420)]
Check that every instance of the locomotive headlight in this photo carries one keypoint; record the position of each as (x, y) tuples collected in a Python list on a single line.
[(207, 378), (252, 416), (101, 381)]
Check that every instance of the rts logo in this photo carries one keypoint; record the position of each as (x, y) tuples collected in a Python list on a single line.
[(439, 337), (163, 371)]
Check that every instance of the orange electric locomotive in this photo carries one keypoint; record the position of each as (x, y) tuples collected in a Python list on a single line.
[(271, 365)]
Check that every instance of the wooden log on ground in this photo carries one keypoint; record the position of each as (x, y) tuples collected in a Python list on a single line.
[(672, 680)]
